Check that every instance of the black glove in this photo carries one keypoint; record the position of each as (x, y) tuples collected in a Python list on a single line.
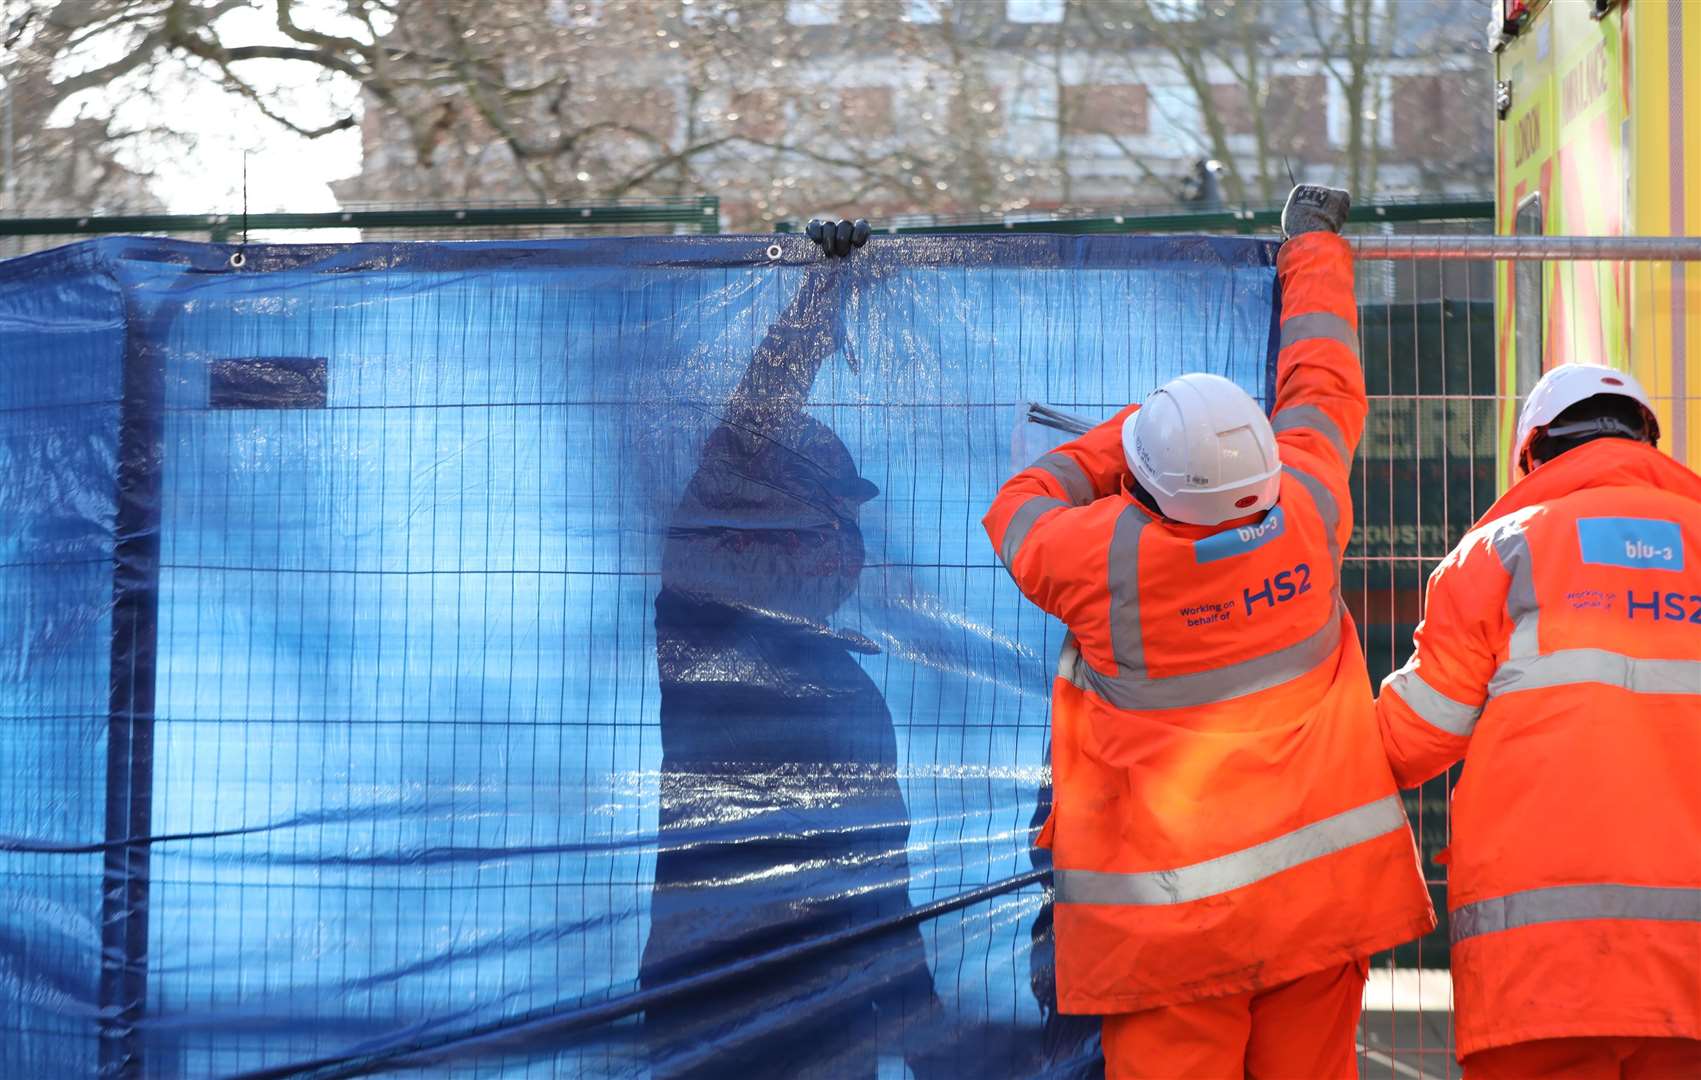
[(1315, 208), (840, 237)]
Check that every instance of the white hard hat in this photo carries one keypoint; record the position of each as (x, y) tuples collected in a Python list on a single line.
[(1564, 387), (1204, 449)]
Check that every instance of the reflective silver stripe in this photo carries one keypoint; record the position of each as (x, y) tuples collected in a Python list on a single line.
[(1236, 869), (1323, 497), (1435, 708), (1126, 643), (1522, 607), (1319, 324), (1136, 691), (1310, 416), (1570, 667), (1022, 521), (1568, 903), (1068, 473), (1325, 500), (1131, 688)]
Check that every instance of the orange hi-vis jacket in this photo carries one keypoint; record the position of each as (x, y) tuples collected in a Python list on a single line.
[(1223, 816), (1560, 656)]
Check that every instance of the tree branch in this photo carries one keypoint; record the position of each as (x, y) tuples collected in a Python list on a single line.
[(662, 164), (317, 57), (295, 32)]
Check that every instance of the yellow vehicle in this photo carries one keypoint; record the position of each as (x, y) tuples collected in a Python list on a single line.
[(1600, 135)]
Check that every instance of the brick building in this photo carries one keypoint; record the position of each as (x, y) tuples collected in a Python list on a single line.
[(892, 107)]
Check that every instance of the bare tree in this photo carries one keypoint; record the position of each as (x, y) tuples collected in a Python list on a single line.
[(1354, 37), (1267, 83), (895, 108), (64, 167)]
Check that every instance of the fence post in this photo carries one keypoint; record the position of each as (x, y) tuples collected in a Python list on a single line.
[(130, 721)]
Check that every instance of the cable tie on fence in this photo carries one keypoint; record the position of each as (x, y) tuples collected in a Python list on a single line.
[(238, 258)]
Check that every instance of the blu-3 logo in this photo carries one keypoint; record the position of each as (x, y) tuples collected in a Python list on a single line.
[(1636, 543), (1279, 589), (1239, 541)]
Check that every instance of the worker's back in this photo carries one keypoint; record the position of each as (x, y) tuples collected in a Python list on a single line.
[(1220, 790), (1221, 612), (1575, 870), (1224, 819)]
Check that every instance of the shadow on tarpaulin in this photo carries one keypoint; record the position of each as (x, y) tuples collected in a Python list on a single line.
[(541, 659)]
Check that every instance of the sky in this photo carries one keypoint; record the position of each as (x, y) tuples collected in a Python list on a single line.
[(285, 171)]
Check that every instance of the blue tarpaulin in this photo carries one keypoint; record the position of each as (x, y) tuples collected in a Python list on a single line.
[(573, 658)]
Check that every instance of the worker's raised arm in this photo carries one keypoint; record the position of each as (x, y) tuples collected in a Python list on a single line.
[(1428, 709), (1039, 524), (1320, 404), (782, 370)]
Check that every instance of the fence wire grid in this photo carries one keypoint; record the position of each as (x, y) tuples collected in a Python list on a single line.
[(1426, 468)]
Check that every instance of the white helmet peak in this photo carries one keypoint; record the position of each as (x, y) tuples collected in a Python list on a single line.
[(1564, 387), (1204, 450)]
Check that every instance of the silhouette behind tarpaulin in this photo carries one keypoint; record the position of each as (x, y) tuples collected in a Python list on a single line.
[(400, 802), (781, 819)]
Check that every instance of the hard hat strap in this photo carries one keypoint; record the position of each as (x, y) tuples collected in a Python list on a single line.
[(1595, 426)]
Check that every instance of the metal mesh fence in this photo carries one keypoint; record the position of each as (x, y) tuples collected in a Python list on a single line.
[(353, 224), (1426, 470)]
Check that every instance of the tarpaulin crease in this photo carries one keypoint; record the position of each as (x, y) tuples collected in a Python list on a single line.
[(558, 658)]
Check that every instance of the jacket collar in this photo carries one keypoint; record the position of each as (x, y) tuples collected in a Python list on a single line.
[(1602, 463), (1185, 529)]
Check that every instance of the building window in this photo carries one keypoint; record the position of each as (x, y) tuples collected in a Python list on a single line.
[(1233, 106), (812, 12), (1034, 11), (1106, 110), (1344, 9), (575, 12), (1173, 114), (1032, 111), (1304, 133), (924, 11), (1420, 117), (1378, 108), (867, 110), (654, 111), (1175, 10), (757, 114)]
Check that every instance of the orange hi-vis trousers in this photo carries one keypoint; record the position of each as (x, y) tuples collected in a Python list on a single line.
[(1588, 1058), (1301, 1030)]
